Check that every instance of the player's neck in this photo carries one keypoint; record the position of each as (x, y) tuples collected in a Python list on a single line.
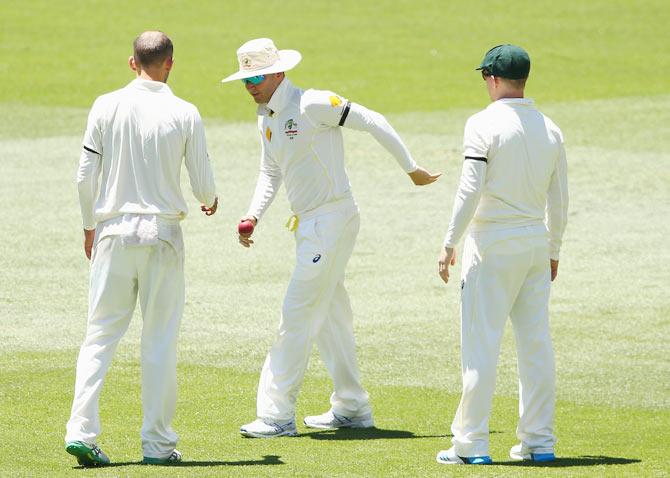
[(508, 94), (152, 75)]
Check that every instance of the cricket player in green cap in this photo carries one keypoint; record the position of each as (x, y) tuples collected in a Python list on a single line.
[(513, 196)]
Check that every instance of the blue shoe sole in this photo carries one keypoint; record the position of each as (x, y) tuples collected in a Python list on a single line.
[(543, 457), (479, 460), (464, 460)]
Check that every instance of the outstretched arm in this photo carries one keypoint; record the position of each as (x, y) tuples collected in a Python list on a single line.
[(326, 109), (364, 119)]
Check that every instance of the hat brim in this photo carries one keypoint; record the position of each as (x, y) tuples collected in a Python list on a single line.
[(288, 59)]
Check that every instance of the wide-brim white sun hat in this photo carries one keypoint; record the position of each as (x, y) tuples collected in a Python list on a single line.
[(261, 57)]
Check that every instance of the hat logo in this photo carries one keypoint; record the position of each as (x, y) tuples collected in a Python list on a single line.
[(255, 60)]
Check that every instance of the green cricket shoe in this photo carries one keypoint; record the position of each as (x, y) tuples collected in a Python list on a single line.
[(87, 455), (173, 459)]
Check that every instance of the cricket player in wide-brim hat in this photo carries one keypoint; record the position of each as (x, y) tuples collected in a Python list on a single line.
[(302, 147)]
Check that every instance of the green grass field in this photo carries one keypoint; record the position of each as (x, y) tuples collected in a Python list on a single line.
[(598, 71)]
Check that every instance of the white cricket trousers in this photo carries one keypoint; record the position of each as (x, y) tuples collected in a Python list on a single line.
[(316, 308), (118, 275), (505, 273)]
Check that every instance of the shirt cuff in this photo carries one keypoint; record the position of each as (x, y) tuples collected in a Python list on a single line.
[(412, 167), (255, 214), (449, 242)]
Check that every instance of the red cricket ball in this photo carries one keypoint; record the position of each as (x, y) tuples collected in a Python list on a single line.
[(245, 227)]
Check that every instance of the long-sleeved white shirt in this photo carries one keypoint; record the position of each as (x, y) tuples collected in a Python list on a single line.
[(514, 173), (135, 139), (301, 145)]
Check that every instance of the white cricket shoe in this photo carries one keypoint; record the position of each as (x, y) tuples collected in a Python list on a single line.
[(173, 459), (449, 457), (521, 452), (268, 429), (331, 420)]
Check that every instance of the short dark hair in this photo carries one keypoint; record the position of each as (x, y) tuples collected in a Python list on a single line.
[(152, 48)]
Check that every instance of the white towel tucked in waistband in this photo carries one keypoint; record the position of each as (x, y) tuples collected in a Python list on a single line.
[(139, 230)]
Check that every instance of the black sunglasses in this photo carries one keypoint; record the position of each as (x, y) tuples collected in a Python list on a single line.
[(486, 73)]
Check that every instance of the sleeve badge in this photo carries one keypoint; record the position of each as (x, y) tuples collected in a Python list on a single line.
[(335, 101)]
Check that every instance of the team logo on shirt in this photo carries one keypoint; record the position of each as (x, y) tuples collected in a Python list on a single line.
[(291, 129), (317, 258), (268, 134)]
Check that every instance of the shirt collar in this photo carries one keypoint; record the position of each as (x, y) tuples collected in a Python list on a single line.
[(280, 97), (150, 85), (516, 101)]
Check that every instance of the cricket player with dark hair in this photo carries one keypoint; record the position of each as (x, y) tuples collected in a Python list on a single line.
[(135, 142), (513, 195), (301, 146)]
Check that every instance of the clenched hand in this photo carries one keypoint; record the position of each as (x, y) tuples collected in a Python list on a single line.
[(209, 211)]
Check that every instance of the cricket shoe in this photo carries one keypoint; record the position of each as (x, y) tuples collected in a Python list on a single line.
[(449, 457), (174, 458), (268, 429), (88, 455), (331, 420), (522, 453)]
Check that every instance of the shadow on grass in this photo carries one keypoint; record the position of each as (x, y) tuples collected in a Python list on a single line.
[(267, 460), (566, 462), (366, 434), (370, 434)]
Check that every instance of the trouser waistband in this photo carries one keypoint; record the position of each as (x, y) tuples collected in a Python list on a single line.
[(328, 207), (160, 220)]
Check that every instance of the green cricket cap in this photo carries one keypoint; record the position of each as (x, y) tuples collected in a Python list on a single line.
[(507, 61)]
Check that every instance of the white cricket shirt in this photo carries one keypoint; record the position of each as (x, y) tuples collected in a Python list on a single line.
[(136, 137), (514, 174), (301, 145)]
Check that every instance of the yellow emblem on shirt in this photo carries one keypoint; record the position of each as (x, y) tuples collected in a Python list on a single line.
[(268, 134), (335, 100)]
